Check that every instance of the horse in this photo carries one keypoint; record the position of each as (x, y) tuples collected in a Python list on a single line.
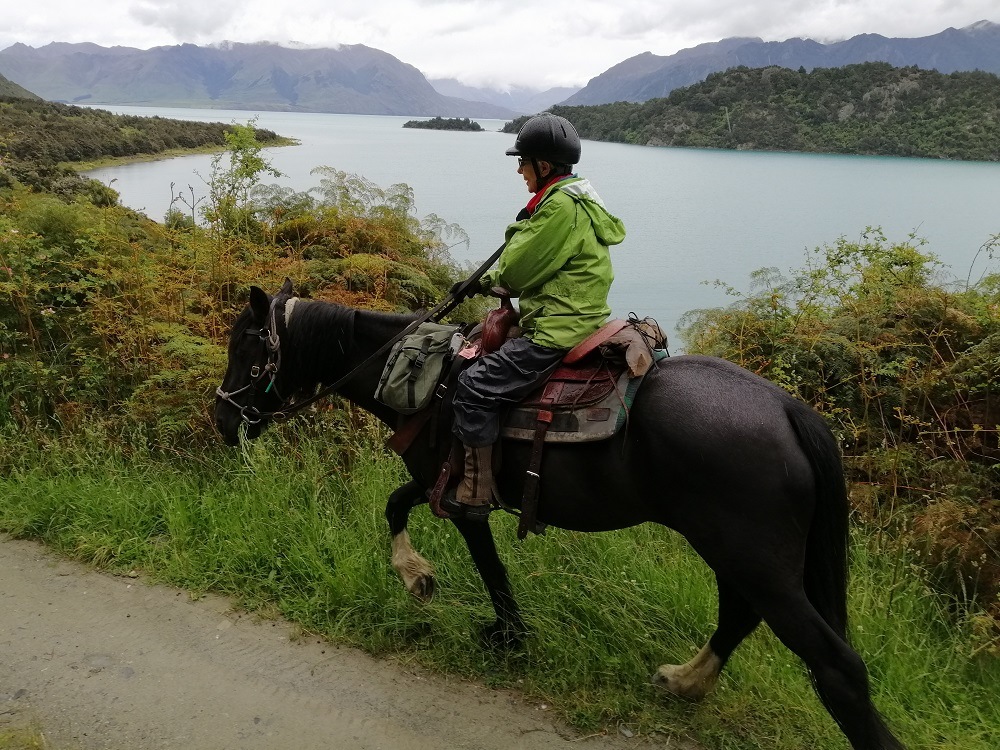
[(757, 488)]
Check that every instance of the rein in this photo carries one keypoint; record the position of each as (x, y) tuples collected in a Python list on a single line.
[(269, 337)]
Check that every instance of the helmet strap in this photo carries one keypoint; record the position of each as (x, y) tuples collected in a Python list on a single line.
[(539, 177)]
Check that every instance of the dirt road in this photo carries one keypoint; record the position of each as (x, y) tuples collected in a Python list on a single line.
[(104, 662)]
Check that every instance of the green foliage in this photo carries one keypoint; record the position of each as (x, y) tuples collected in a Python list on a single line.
[(869, 108), (905, 366), (40, 138), (440, 123), (235, 173), (105, 312)]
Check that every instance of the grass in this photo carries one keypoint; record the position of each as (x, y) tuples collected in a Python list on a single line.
[(18, 732), (288, 525), (27, 738)]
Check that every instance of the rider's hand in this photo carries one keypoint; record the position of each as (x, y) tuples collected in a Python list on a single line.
[(458, 294)]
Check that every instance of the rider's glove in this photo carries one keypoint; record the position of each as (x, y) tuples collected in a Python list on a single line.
[(458, 294)]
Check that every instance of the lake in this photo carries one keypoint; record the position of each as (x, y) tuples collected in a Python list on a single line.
[(692, 215)]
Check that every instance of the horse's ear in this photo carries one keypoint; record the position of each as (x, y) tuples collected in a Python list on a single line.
[(286, 288), (259, 303)]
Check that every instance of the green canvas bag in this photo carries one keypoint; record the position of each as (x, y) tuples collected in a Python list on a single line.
[(416, 365)]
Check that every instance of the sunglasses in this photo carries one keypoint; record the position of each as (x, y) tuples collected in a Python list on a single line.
[(521, 161)]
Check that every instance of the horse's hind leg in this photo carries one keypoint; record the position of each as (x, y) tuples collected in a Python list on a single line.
[(697, 678), (412, 567), (838, 673)]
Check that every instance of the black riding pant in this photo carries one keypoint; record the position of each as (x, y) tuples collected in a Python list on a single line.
[(494, 383)]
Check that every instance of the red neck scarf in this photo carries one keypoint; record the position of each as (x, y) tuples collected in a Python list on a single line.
[(537, 197)]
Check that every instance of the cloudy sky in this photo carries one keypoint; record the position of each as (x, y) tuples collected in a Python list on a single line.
[(535, 43)]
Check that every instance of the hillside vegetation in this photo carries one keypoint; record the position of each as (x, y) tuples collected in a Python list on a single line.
[(870, 108), (113, 333), (39, 140), (10, 90)]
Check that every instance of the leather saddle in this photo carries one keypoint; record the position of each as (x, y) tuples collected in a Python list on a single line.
[(586, 395), (587, 398)]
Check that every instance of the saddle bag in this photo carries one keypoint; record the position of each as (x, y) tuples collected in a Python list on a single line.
[(417, 363)]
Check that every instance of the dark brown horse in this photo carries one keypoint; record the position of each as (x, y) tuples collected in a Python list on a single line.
[(757, 488)]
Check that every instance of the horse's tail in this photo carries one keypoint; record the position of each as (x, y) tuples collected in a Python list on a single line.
[(826, 563)]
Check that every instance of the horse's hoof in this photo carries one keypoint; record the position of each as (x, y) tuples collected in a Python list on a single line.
[(422, 588), (496, 637), (676, 679), (416, 572)]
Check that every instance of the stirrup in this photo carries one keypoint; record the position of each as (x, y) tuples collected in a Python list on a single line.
[(455, 509)]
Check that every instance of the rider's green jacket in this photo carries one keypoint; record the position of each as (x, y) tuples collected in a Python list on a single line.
[(558, 264)]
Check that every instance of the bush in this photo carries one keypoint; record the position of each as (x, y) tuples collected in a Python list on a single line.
[(905, 367)]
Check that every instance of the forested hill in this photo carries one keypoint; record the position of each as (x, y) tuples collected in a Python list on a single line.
[(12, 90), (38, 138), (870, 108)]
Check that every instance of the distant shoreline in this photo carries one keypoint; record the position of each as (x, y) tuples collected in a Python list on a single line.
[(117, 161)]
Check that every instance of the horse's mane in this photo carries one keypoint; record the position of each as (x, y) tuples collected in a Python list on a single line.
[(316, 319), (323, 333)]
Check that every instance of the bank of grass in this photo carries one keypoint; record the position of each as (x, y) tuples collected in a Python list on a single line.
[(23, 738), (172, 153), (293, 525)]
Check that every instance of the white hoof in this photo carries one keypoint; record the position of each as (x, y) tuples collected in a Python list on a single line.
[(416, 572), (693, 680)]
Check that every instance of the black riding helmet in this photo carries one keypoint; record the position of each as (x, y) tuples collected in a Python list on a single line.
[(547, 137)]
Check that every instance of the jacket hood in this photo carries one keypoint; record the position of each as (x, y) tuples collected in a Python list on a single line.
[(609, 228)]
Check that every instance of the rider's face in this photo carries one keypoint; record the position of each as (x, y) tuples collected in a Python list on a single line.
[(526, 169)]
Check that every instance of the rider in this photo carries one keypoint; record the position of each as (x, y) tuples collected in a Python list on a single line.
[(557, 262)]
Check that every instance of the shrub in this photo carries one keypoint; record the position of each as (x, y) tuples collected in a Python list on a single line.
[(905, 367)]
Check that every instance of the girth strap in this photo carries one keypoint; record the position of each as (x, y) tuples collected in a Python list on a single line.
[(529, 500)]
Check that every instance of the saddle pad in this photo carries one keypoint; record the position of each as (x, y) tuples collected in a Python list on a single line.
[(596, 420), (581, 421)]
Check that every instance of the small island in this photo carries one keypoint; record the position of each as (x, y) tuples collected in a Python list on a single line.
[(441, 123)]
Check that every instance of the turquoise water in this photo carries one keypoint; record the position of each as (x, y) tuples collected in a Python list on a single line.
[(693, 216)]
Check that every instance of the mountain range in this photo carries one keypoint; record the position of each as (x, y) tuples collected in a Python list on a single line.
[(355, 79), (648, 76), (520, 99), (351, 79)]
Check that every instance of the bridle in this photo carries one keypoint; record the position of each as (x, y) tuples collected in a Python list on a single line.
[(271, 349)]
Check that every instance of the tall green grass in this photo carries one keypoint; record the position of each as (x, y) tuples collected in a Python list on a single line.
[(290, 525)]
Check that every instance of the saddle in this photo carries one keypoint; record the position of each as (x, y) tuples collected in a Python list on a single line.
[(586, 398)]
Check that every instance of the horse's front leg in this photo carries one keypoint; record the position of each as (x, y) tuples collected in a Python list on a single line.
[(508, 630), (417, 573)]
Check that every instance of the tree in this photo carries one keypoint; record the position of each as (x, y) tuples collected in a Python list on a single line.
[(235, 173)]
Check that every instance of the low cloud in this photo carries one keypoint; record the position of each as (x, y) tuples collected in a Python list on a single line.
[(187, 19), (500, 42)]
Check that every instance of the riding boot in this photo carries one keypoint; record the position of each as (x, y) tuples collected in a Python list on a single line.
[(474, 494)]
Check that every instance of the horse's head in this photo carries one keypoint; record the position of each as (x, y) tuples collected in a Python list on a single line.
[(249, 392)]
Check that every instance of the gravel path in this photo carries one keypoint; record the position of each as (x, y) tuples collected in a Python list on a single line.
[(104, 662)]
